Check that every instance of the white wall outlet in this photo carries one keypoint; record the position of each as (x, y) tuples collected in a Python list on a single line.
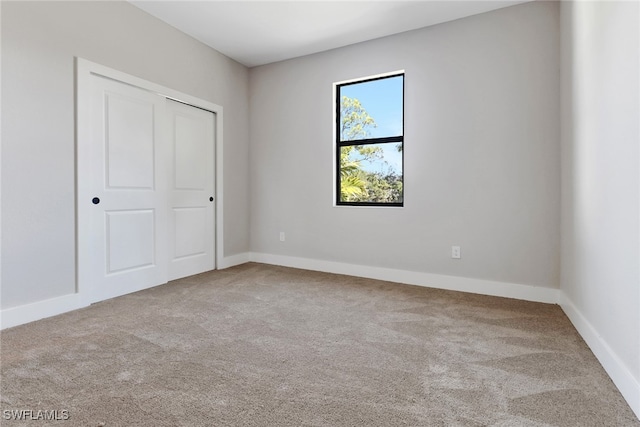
[(282, 236), (455, 252)]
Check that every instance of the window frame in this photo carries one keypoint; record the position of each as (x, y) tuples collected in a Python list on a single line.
[(366, 141)]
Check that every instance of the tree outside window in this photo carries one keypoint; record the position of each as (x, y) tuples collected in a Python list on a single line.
[(370, 142)]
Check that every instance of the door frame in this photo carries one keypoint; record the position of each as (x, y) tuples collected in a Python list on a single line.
[(84, 71)]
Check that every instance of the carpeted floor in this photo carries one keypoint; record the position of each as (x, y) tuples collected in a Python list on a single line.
[(259, 345)]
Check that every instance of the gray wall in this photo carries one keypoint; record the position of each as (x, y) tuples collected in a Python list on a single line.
[(39, 43), (600, 172), (482, 151)]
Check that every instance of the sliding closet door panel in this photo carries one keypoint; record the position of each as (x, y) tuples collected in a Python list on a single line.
[(191, 190), (127, 191)]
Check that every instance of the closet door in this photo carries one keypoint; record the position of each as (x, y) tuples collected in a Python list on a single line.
[(122, 194), (191, 189)]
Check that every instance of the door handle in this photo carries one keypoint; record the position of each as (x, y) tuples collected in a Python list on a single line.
[(95, 200), (211, 199)]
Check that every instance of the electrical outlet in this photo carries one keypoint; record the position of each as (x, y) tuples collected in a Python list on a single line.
[(455, 252), (282, 236)]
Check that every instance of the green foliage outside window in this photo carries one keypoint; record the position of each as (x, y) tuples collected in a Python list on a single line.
[(356, 183)]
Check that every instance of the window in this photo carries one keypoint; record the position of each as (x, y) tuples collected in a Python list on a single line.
[(370, 141)]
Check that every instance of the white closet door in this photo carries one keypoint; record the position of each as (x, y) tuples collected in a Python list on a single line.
[(191, 190), (122, 198)]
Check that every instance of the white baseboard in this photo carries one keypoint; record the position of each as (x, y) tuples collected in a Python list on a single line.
[(233, 260), (620, 375), (463, 284), (15, 316), (22, 314)]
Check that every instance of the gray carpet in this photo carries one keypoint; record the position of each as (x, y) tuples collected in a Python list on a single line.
[(259, 345)]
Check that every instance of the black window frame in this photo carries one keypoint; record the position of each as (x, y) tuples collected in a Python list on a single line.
[(366, 141)]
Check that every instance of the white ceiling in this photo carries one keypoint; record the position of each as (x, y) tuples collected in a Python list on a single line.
[(260, 32)]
